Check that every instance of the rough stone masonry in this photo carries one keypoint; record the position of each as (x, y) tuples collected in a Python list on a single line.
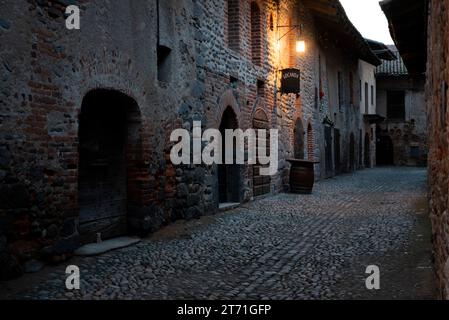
[(86, 115)]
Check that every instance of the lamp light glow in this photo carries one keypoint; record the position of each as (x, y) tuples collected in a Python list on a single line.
[(300, 46)]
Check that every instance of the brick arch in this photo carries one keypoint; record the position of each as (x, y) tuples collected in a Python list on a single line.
[(260, 105), (226, 100), (110, 168), (113, 83)]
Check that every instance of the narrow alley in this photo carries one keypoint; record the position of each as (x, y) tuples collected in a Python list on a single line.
[(281, 247)]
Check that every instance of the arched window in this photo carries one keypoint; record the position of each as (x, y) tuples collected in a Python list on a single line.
[(256, 34), (233, 29), (310, 143)]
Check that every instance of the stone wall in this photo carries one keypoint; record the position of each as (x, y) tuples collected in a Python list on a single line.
[(410, 132), (47, 71), (437, 103), (190, 65)]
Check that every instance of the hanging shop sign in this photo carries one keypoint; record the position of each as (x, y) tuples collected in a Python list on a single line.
[(291, 81)]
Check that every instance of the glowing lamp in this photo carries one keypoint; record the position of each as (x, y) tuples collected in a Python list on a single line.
[(300, 46)]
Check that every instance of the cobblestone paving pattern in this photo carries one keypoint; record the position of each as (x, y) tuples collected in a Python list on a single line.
[(282, 247)]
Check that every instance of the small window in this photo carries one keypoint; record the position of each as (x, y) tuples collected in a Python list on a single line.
[(260, 88), (372, 95), (163, 63), (396, 105), (366, 98), (233, 81), (360, 90)]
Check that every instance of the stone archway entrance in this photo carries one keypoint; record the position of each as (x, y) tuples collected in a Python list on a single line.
[(229, 184), (261, 184), (109, 153)]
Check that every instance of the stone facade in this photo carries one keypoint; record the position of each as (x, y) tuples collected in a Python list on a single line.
[(87, 114), (437, 103), (368, 107), (402, 137)]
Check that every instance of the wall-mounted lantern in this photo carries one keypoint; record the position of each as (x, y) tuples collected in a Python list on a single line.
[(300, 43), (300, 46)]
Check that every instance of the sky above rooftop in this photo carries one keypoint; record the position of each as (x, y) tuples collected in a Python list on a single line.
[(369, 19)]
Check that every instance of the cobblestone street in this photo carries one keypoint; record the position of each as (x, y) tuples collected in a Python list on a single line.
[(283, 247)]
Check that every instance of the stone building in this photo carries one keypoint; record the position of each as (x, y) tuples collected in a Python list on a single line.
[(402, 136), (368, 104), (87, 115), (421, 35)]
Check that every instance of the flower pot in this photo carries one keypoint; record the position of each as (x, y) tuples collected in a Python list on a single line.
[(302, 176)]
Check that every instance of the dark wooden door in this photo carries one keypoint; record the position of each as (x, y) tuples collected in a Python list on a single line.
[(229, 185)]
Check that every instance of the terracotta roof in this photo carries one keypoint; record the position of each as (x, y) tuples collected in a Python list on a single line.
[(393, 67)]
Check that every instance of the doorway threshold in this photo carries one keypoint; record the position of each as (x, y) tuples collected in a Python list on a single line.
[(228, 206), (94, 249)]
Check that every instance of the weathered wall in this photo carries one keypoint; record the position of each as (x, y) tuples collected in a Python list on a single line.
[(437, 104), (342, 110), (47, 71), (412, 131)]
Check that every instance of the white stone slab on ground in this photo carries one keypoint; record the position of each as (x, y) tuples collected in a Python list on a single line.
[(228, 206), (94, 249)]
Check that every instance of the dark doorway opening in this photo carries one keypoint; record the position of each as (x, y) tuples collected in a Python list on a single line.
[(261, 184), (367, 151), (385, 151), (337, 150), (109, 149), (352, 163), (229, 174)]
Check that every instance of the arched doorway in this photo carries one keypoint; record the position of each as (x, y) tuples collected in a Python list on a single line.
[(299, 140), (385, 151), (109, 152), (367, 151), (261, 184), (352, 152), (229, 183)]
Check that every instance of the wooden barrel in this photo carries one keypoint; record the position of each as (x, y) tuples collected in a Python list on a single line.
[(302, 177)]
